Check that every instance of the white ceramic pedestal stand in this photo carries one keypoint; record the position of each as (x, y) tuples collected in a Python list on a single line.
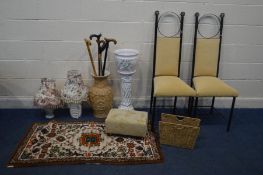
[(126, 62)]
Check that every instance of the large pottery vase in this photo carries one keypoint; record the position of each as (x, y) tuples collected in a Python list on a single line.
[(101, 96)]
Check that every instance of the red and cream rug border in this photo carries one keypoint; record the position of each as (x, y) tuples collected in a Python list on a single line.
[(14, 162)]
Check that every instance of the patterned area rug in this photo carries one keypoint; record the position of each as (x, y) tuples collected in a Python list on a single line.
[(82, 142)]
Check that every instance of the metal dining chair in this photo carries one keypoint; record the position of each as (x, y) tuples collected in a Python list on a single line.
[(167, 54), (205, 67)]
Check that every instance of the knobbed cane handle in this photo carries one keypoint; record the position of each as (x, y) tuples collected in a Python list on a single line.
[(88, 44)]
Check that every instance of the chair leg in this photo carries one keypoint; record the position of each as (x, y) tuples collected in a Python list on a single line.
[(153, 113), (190, 106), (231, 114), (151, 103), (175, 101), (196, 105), (212, 105)]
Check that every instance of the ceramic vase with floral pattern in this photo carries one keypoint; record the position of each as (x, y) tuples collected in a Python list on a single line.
[(74, 92), (48, 97)]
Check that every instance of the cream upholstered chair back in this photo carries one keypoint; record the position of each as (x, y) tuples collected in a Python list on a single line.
[(206, 59), (167, 56)]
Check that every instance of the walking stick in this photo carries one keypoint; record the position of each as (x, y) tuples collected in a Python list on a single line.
[(107, 40), (88, 43), (102, 46), (98, 43)]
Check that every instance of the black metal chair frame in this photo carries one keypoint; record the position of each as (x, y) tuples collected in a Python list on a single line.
[(221, 18), (153, 99)]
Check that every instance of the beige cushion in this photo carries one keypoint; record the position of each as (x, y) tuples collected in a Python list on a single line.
[(167, 56), (171, 86), (206, 57), (207, 86), (126, 122)]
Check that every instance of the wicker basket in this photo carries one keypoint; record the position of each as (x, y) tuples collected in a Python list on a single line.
[(179, 131)]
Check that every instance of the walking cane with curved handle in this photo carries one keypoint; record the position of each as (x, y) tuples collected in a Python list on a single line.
[(107, 40)]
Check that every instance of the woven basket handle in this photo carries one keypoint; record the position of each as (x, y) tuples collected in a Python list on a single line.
[(180, 127), (179, 117)]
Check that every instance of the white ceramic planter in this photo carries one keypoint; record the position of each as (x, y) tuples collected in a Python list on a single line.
[(126, 60)]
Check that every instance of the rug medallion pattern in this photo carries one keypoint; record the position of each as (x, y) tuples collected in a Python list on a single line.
[(82, 142)]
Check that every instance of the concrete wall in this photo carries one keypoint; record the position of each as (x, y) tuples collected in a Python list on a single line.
[(44, 38)]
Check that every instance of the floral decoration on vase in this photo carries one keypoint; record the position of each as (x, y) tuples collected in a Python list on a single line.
[(48, 97), (74, 92)]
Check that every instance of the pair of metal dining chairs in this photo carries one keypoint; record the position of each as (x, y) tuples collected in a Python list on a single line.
[(167, 56)]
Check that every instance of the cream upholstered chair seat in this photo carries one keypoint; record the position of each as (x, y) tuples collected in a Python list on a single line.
[(167, 56), (206, 62), (207, 86), (171, 86), (206, 82)]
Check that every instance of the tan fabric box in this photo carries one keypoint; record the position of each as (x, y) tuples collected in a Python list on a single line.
[(126, 122)]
